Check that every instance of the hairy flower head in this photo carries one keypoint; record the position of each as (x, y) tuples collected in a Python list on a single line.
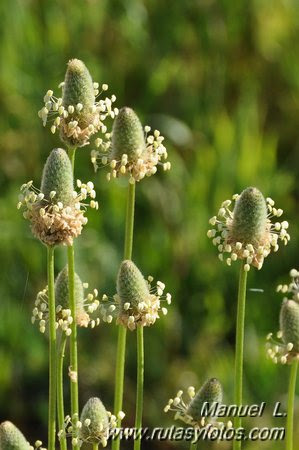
[(129, 150), (136, 302), (56, 211), (191, 410), (78, 114), (286, 348), (11, 438), (86, 305), (247, 231), (95, 424)]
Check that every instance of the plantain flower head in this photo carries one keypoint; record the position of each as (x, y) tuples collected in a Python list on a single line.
[(130, 150), (285, 348), (95, 424), (11, 438), (78, 113), (190, 410), (56, 211), (136, 302), (246, 228), (86, 305)]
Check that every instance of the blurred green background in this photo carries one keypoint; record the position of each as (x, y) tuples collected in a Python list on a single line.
[(220, 79)]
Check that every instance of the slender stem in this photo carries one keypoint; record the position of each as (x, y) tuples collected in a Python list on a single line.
[(60, 400), (73, 337), (122, 331), (240, 348), (193, 445), (52, 351), (140, 381), (73, 343), (129, 222), (291, 399), (72, 154), (95, 446)]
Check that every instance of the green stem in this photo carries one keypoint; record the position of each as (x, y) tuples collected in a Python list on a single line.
[(240, 348), (73, 344), (129, 222), (193, 445), (291, 399), (72, 154), (95, 446), (122, 331), (73, 336), (140, 381), (60, 400), (52, 350)]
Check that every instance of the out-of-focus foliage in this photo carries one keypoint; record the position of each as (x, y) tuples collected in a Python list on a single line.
[(220, 79)]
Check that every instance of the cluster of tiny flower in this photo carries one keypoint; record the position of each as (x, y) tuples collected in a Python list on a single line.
[(145, 313), (37, 446), (69, 118), (181, 408), (64, 319), (278, 351), (254, 253), (143, 164), (104, 429), (52, 221), (293, 287)]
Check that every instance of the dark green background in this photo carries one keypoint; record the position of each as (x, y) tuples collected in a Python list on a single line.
[(220, 79)]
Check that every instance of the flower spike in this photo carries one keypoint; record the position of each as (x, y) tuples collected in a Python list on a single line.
[(56, 211), (285, 348), (247, 231), (11, 438), (136, 302), (95, 424), (191, 411), (77, 114), (85, 305), (130, 150)]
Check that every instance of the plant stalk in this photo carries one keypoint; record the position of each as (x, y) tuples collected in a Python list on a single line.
[(52, 350), (73, 336), (60, 399), (95, 446), (240, 348), (140, 382), (122, 331), (193, 445), (291, 401)]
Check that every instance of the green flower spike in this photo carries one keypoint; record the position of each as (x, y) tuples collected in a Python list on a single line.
[(130, 150), (95, 425), (247, 231), (136, 302), (11, 438), (79, 114), (191, 411), (55, 211), (85, 305), (210, 392), (95, 422), (286, 348)]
